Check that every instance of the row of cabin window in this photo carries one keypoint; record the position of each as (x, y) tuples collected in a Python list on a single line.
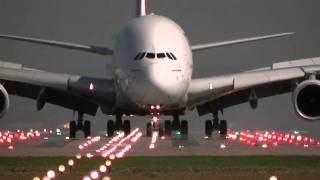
[(141, 55)]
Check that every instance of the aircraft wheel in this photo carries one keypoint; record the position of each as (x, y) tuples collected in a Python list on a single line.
[(167, 127), (149, 129), (72, 129), (87, 128), (184, 127), (223, 128), (208, 128), (110, 128), (126, 127), (161, 129)]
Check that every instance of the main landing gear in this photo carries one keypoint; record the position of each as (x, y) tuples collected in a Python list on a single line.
[(82, 125), (216, 124), (118, 125)]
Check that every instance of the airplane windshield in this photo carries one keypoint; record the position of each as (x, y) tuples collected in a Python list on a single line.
[(151, 55)]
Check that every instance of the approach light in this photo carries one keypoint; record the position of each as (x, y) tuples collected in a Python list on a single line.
[(86, 178), (78, 156), (108, 163), (45, 178), (112, 157), (103, 169), (222, 146), (70, 162), (35, 178), (51, 174), (94, 175), (273, 178), (106, 178), (61, 168)]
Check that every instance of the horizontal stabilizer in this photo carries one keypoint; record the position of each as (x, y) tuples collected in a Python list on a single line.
[(80, 47), (237, 41)]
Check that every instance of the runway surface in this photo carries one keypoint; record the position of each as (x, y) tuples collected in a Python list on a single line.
[(195, 144)]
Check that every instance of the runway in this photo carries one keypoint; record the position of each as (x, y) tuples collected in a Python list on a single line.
[(194, 145)]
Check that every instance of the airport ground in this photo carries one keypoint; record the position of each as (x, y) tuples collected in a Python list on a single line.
[(186, 167), (172, 158)]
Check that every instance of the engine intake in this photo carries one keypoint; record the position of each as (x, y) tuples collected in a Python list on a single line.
[(4, 101), (306, 99)]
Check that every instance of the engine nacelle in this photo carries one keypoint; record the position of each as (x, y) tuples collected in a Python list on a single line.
[(4, 101), (306, 100)]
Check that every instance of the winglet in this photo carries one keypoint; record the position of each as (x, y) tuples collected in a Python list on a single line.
[(141, 8)]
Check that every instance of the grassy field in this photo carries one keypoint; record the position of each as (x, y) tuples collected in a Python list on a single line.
[(231, 167)]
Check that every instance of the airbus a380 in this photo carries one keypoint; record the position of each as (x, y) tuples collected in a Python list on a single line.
[(153, 76)]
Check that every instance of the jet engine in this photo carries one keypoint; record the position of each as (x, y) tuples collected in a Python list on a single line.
[(306, 99), (4, 101)]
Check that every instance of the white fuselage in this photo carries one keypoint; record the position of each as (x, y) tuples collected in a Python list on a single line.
[(158, 77)]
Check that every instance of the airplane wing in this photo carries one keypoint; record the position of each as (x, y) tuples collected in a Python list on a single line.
[(78, 93), (87, 48), (200, 47), (220, 92)]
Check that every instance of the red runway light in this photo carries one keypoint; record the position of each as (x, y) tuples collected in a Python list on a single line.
[(94, 175), (103, 169), (61, 168), (86, 178), (51, 174)]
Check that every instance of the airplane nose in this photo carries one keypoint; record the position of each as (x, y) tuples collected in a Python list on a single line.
[(166, 83)]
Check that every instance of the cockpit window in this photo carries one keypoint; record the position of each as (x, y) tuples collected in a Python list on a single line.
[(151, 55), (174, 57), (161, 55), (142, 55), (137, 56), (169, 56)]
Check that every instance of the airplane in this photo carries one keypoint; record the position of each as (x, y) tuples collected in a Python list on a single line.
[(152, 76)]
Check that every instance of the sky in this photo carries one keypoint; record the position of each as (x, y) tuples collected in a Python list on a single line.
[(97, 23)]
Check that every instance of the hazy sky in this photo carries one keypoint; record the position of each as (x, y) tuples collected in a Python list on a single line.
[(97, 22)]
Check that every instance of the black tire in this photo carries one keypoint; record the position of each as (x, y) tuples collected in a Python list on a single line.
[(72, 129), (223, 128), (208, 128), (87, 128), (149, 129), (167, 128), (184, 127), (126, 127), (110, 128), (161, 129)]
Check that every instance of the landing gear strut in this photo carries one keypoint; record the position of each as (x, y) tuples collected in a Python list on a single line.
[(82, 125), (118, 125), (216, 124)]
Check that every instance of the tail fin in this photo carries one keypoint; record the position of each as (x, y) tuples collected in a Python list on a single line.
[(141, 8)]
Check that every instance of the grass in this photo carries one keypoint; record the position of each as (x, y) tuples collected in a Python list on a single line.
[(154, 167)]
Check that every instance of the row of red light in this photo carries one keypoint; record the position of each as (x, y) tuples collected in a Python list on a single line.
[(154, 138), (273, 138), (110, 151), (89, 142), (9, 137), (133, 136)]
